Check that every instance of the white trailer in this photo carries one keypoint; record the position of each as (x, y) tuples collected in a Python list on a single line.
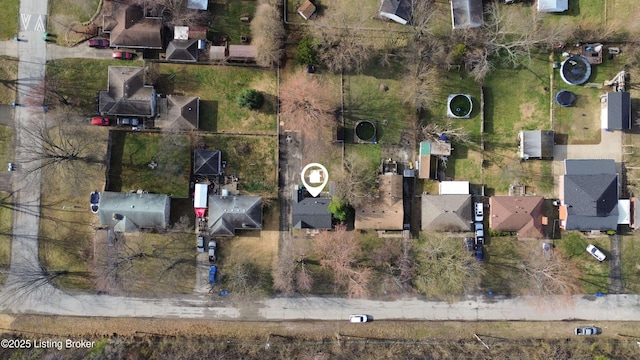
[(200, 199)]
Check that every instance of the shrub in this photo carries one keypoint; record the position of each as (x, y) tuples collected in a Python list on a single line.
[(339, 209), (306, 52), (251, 99)]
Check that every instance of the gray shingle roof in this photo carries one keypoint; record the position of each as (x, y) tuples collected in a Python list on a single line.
[(183, 50), (207, 162), (589, 166), (537, 144), (127, 95), (619, 110), (310, 212), (446, 212), (400, 8), (127, 212), (230, 213)]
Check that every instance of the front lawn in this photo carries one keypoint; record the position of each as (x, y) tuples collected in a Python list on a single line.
[(218, 88), (10, 16), (594, 275), (8, 78), (133, 152), (6, 225)]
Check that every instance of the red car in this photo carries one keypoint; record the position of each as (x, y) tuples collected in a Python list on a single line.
[(122, 55), (98, 43), (100, 121)]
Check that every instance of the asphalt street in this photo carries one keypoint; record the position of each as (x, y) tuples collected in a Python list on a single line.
[(19, 296)]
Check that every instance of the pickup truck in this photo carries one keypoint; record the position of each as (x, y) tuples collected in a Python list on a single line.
[(587, 330)]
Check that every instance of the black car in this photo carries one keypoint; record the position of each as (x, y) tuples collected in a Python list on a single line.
[(95, 200), (479, 253)]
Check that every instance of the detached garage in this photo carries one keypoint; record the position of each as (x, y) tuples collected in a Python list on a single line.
[(616, 111)]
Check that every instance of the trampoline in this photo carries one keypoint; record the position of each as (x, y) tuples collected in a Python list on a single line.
[(366, 131), (459, 106), (576, 70), (565, 98)]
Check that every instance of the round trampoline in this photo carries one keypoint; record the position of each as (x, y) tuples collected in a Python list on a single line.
[(576, 70), (565, 98), (459, 106), (366, 131)]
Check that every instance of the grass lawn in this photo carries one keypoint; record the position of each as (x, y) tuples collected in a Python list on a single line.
[(371, 153), (595, 275), (364, 100), (218, 88), (252, 159), (631, 262), (65, 15), (6, 224), (502, 275), (63, 77), (66, 224), (580, 124), (225, 19), (131, 154), (8, 75), (9, 24)]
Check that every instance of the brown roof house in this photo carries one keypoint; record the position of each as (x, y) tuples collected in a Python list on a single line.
[(446, 212), (182, 112), (522, 214), (128, 26), (127, 95), (306, 9), (386, 211)]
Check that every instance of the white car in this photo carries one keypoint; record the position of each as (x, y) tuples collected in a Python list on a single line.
[(358, 318), (478, 212), (591, 249)]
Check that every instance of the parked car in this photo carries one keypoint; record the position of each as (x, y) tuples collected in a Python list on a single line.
[(478, 212), (469, 244), (95, 200), (212, 250), (200, 243), (546, 250), (479, 232), (591, 249), (123, 55), (98, 43), (213, 271), (100, 121), (358, 318), (479, 253), (587, 330), (127, 121)]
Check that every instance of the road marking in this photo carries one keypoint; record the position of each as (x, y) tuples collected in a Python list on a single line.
[(26, 23)]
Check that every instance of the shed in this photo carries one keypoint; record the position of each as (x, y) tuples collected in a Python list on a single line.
[(396, 10), (466, 14), (616, 114), (183, 50), (536, 144), (306, 9), (198, 4), (217, 53), (454, 188), (180, 32), (553, 5)]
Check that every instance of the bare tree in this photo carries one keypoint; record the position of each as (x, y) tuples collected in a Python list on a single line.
[(356, 182), (340, 251), (342, 39), (267, 31), (307, 105), (174, 12), (442, 267), (291, 271), (434, 131), (555, 276)]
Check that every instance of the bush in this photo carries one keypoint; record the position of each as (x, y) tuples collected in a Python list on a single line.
[(339, 209), (306, 52), (251, 99)]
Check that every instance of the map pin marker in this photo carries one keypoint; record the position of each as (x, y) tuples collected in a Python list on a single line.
[(319, 175)]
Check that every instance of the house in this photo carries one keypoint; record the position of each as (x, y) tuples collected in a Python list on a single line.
[(616, 111), (466, 14), (182, 50), (128, 212), (428, 157), (536, 144), (207, 162), (446, 213), (454, 188), (306, 9), (182, 112), (309, 212), (523, 214), (198, 4), (242, 53), (237, 212), (553, 5), (396, 10), (386, 212), (127, 95), (128, 27), (589, 195)]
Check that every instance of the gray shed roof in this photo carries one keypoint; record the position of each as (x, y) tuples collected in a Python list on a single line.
[(446, 212), (466, 14), (230, 213), (400, 8), (127, 212), (310, 212), (183, 50), (207, 162), (536, 144), (619, 110)]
